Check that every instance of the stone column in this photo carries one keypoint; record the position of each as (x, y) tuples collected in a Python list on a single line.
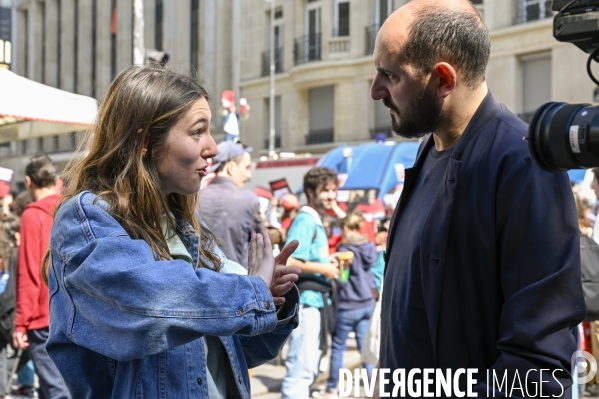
[(67, 45), (125, 34), (85, 48)]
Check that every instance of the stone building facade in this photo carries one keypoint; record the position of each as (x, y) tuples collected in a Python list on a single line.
[(324, 68), (323, 61), (80, 45)]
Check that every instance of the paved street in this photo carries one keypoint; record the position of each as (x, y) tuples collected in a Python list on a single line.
[(267, 379)]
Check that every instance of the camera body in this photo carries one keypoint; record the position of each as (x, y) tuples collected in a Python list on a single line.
[(577, 23), (566, 136)]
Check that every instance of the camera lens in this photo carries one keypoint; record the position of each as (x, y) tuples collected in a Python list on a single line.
[(565, 136)]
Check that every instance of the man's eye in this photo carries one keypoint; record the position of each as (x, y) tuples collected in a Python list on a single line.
[(390, 76)]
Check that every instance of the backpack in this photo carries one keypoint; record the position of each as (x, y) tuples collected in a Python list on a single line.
[(589, 268)]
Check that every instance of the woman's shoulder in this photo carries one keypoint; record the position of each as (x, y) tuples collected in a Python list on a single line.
[(84, 208)]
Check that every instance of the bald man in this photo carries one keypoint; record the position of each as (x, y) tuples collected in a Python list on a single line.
[(483, 257)]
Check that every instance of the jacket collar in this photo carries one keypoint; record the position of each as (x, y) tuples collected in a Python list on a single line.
[(223, 180), (488, 108), (312, 211)]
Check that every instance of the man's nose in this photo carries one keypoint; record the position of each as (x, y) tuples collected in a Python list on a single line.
[(378, 90)]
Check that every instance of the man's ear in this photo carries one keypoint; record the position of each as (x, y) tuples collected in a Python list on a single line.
[(29, 182), (309, 193), (229, 168), (445, 79)]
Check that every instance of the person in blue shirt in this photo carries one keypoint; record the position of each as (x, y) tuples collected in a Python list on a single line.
[(308, 341), (142, 302)]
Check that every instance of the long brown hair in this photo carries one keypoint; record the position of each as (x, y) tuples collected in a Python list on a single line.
[(139, 108)]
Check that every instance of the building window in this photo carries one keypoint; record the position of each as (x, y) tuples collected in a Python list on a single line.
[(5, 36), (308, 48), (321, 110), (278, 32), (55, 144), (24, 147), (40, 144), (536, 83), (159, 17), (532, 10), (382, 9), (341, 18), (113, 32), (73, 142), (195, 32)]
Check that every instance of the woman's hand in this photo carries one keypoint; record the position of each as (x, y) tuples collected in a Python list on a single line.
[(284, 276), (261, 262)]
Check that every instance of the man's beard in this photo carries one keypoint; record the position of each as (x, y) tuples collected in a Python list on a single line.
[(320, 204), (424, 116)]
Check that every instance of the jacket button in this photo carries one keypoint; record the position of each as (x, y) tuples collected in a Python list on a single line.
[(187, 244), (267, 304), (239, 312), (240, 380), (199, 381)]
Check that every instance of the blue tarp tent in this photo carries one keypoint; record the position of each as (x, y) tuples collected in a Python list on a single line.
[(372, 165), (577, 175)]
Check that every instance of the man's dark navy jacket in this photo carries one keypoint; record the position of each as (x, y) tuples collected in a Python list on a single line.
[(500, 258)]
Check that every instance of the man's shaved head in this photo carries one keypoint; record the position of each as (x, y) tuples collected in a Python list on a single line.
[(425, 32)]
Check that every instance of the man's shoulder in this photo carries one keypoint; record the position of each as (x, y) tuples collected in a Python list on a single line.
[(504, 135), (303, 219), (248, 195)]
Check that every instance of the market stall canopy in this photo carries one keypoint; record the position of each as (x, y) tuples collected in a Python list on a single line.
[(372, 166), (30, 109)]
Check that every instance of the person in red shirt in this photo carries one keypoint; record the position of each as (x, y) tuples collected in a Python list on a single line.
[(32, 302), (290, 204)]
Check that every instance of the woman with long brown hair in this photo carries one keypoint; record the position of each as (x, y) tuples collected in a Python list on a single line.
[(141, 301)]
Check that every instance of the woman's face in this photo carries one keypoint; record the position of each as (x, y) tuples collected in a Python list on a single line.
[(182, 161)]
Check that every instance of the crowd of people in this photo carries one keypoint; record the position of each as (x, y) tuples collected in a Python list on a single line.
[(332, 303), (133, 282)]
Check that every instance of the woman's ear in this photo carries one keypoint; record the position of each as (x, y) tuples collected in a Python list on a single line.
[(144, 150)]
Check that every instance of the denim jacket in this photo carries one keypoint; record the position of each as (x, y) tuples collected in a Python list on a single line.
[(123, 325)]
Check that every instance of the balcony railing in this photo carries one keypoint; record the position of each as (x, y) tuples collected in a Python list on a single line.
[(369, 38), (277, 142), (320, 136), (532, 10), (307, 48), (339, 45), (278, 61)]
